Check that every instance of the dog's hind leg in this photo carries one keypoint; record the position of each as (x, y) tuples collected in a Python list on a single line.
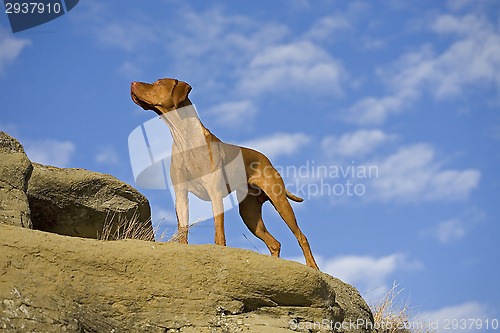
[(276, 193), (251, 213)]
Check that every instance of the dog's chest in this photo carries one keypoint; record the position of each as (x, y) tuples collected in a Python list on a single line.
[(196, 162)]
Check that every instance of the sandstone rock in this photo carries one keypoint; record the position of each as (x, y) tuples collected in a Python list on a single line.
[(15, 170), (51, 283), (77, 202)]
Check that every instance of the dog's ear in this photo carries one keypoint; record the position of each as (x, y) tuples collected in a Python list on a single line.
[(180, 93)]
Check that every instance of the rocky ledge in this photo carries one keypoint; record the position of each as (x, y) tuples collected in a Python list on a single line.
[(54, 283)]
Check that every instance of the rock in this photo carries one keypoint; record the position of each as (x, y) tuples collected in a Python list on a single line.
[(51, 283), (78, 202), (15, 170)]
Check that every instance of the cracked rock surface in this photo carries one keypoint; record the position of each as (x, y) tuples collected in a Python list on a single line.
[(15, 170), (53, 283)]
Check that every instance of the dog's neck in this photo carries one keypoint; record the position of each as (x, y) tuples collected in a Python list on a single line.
[(185, 126)]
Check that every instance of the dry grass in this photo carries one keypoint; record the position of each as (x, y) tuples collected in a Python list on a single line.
[(119, 226), (175, 237), (392, 316)]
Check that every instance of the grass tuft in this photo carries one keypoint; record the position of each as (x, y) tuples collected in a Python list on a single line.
[(392, 316), (175, 237), (119, 226)]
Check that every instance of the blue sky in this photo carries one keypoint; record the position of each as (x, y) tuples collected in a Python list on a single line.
[(408, 88)]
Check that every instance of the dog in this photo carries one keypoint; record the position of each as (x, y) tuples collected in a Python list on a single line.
[(201, 164)]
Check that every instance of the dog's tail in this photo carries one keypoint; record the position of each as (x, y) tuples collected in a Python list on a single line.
[(293, 196)]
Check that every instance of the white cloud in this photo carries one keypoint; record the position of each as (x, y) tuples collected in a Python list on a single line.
[(450, 230), (300, 65), (327, 28), (10, 48), (471, 61), (357, 143), (50, 152), (459, 4), (252, 57), (225, 35), (372, 276), (233, 113), (466, 314), (278, 144), (300, 4), (228, 44), (474, 59), (107, 155), (413, 174), (255, 57), (456, 228), (129, 70), (466, 25), (371, 43), (372, 110), (128, 34)]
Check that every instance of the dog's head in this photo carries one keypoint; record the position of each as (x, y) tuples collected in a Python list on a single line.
[(162, 96)]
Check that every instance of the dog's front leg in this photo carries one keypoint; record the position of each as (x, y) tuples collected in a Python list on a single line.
[(182, 211), (218, 212)]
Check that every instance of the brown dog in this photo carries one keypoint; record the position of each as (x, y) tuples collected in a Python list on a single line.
[(203, 165)]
